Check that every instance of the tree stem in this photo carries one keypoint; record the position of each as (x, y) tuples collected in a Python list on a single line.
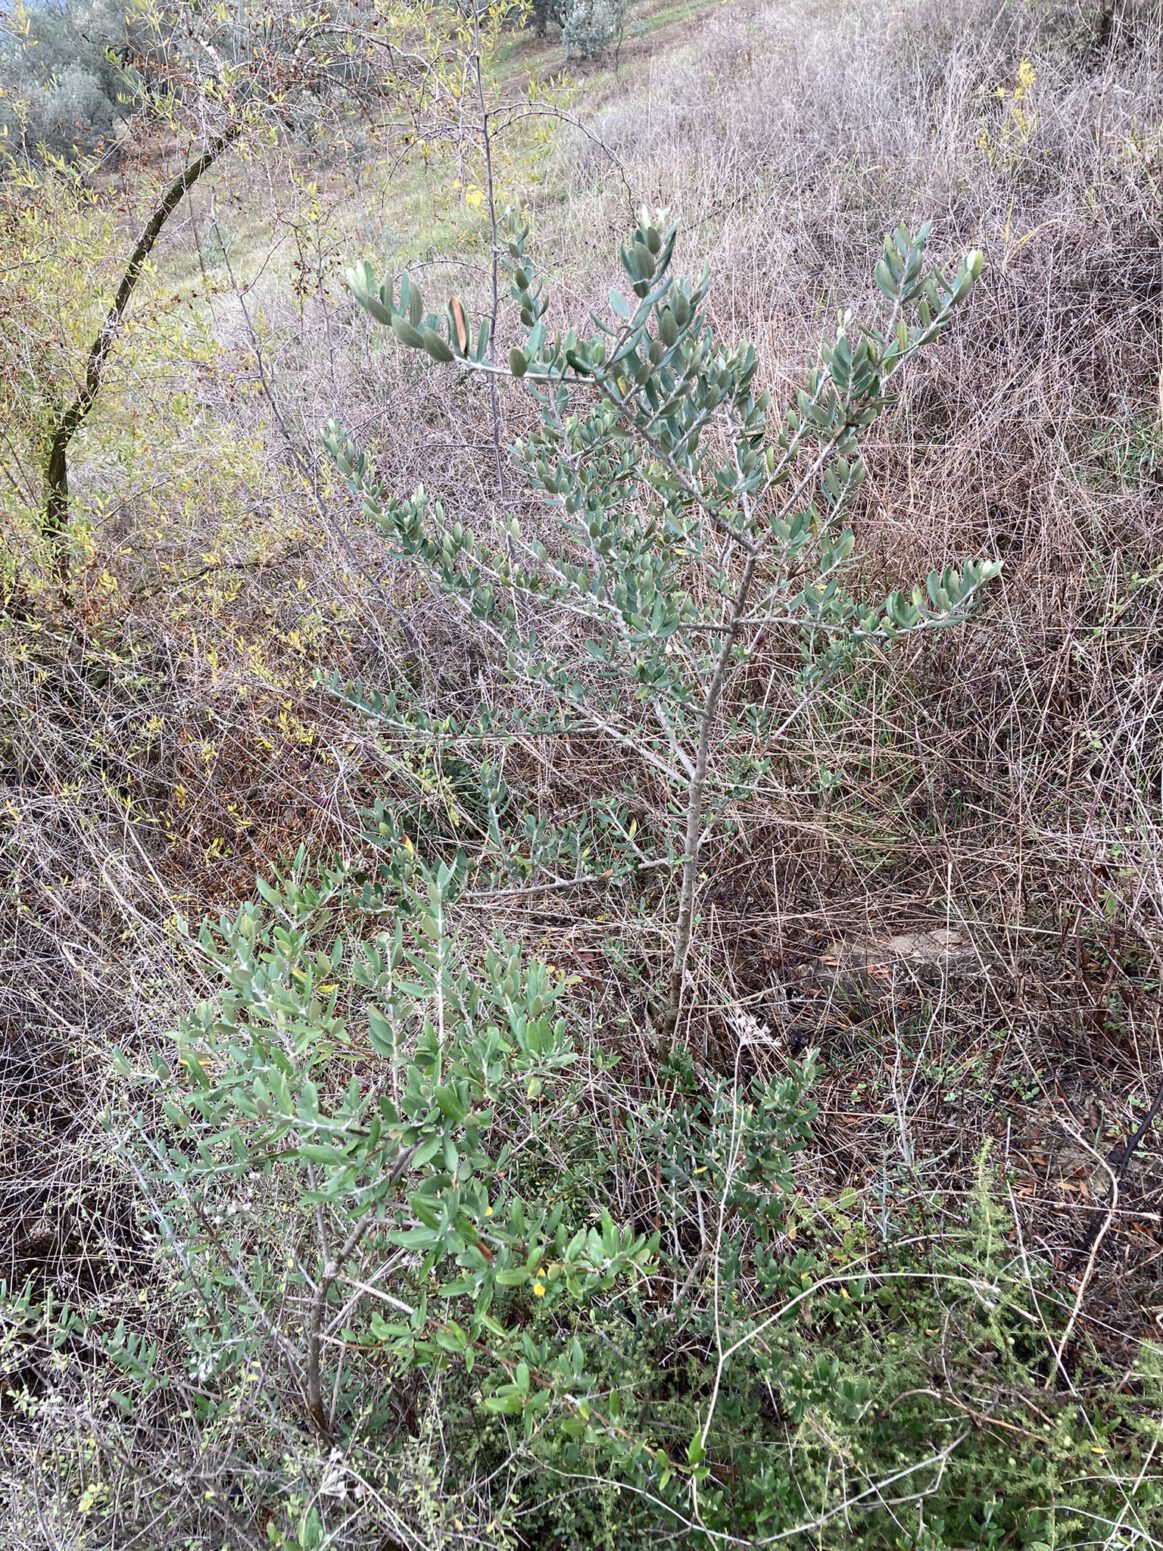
[(490, 194), (695, 807)]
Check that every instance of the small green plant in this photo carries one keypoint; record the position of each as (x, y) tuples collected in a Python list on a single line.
[(371, 1164), (698, 519), (384, 1086)]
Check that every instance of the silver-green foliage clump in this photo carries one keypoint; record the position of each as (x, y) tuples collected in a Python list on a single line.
[(699, 516), (64, 88), (590, 27), (379, 1086)]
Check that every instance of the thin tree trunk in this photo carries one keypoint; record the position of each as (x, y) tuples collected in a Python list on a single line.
[(491, 194), (55, 518), (694, 815)]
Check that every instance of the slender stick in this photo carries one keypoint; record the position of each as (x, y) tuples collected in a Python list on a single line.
[(490, 193)]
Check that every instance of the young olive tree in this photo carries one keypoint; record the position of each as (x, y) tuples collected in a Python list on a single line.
[(588, 27), (591, 26), (697, 514)]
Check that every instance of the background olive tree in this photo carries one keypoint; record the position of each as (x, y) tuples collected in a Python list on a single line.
[(66, 85)]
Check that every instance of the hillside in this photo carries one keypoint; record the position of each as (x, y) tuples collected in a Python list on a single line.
[(547, 997)]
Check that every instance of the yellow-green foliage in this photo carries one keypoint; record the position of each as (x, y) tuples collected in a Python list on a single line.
[(150, 461), (1006, 138), (178, 512)]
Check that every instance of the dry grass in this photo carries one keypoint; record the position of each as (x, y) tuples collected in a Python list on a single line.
[(1002, 787), (1005, 784)]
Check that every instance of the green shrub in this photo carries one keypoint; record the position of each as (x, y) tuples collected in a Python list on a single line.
[(63, 87), (383, 1180), (697, 519), (372, 1168), (590, 27)]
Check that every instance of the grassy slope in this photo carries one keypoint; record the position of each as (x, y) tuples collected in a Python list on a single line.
[(787, 143), (1002, 787)]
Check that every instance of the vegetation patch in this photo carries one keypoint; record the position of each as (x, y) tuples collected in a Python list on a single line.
[(580, 765)]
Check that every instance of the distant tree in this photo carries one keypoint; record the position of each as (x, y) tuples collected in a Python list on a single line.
[(588, 27), (64, 85), (592, 26)]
